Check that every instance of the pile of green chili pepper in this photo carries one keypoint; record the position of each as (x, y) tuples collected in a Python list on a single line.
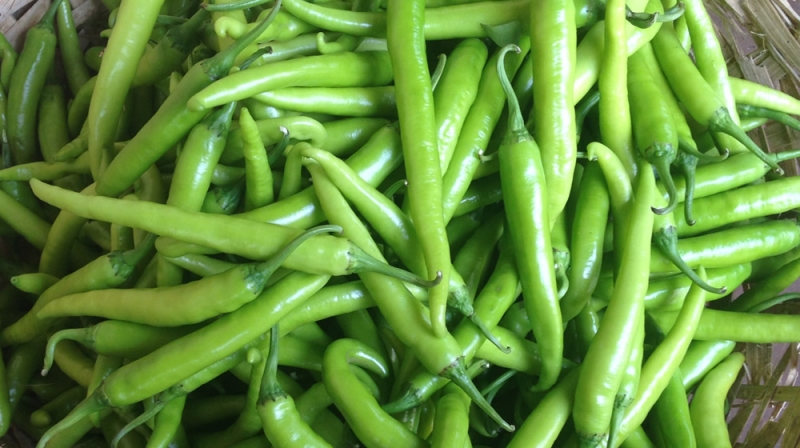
[(385, 223)]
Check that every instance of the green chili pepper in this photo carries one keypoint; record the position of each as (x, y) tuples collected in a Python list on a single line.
[(701, 357), (654, 127), (120, 59), (192, 302), (107, 271), (74, 66), (754, 94), (732, 246), (671, 414), (588, 231), (696, 94), (406, 42), (611, 347), (708, 405), (522, 176), (25, 87), (172, 120)]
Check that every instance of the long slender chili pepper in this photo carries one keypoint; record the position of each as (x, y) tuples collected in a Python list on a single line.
[(172, 120), (522, 176), (107, 271), (654, 128), (611, 347), (553, 43), (616, 129), (135, 22), (474, 139), (25, 87), (732, 246), (771, 198), (438, 354), (262, 240), (193, 302), (588, 232), (708, 405), (455, 94), (69, 46), (393, 226), (664, 361), (405, 22), (754, 94), (159, 370), (695, 93)]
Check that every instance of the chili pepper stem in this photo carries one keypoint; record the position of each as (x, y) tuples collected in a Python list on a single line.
[(666, 240), (138, 421), (268, 267), (722, 122), (761, 112), (72, 334), (458, 375), (661, 156), (411, 398), (134, 256), (366, 263), (459, 300), (270, 389), (688, 148)]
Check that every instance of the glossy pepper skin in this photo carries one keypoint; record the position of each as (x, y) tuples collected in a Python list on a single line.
[(25, 87), (522, 178)]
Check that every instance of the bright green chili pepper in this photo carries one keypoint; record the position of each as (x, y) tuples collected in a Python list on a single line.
[(172, 120), (406, 42), (611, 347), (696, 94), (588, 230), (664, 361), (71, 54), (543, 425), (701, 357), (522, 177), (671, 414), (654, 127), (754, 94), (120, 59), (192, 302), (708, 405), (732, 246), (439, 355)]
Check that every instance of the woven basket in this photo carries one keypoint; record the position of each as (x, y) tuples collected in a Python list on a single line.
[(761, 41)]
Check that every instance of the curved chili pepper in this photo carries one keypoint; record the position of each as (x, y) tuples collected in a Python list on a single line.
[(754, 94), (616, 127), (697, 95), (107, 271), (708, 405), (701, 357), (664, 361), (172, 120), (440, 355)]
